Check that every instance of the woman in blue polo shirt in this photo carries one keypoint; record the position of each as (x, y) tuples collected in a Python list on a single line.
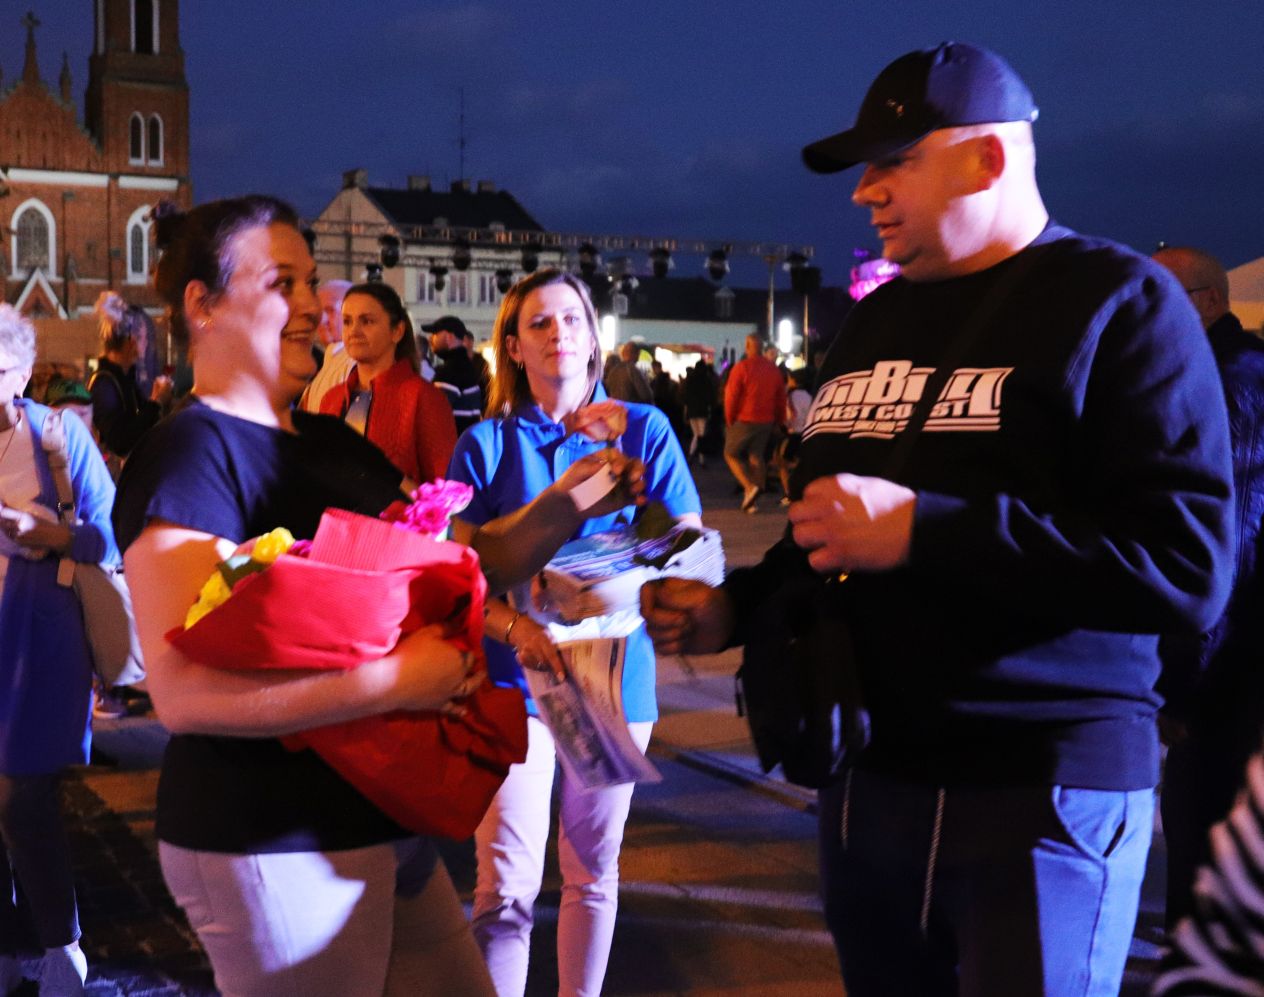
[(547, 385)]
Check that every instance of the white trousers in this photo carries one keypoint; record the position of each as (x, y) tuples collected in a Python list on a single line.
[(511, 841), (367, 921)]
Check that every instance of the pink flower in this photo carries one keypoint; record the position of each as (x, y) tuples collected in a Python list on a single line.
[(433, 506)]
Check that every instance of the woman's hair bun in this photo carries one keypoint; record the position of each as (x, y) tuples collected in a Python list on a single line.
[(167, 218), (110, 307)]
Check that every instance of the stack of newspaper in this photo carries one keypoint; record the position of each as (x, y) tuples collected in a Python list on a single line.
[(604, 572)]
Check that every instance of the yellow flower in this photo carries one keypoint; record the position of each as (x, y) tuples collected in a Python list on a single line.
[(214, 593), (272, 545)]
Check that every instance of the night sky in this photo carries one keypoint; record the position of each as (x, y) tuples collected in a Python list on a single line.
[(685, 118)]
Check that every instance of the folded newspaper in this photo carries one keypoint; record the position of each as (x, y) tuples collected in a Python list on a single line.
[(585, 715), (603, 572)]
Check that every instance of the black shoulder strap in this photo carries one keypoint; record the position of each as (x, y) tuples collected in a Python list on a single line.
[(952, 356)]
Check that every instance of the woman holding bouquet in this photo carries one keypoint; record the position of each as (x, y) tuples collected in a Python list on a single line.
[(294, 881), (549, 402), (384, 398)]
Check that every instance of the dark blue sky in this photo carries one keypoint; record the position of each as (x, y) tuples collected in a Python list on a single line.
[(685, 117)]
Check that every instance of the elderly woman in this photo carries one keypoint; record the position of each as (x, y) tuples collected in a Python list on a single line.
[(295, 882), (384, 398), (545, 391), (45, 666)]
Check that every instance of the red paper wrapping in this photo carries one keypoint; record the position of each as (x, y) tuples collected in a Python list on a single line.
[(364, 584)]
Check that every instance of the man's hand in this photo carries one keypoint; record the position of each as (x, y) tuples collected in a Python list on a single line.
[(684, 616), (854, 523)]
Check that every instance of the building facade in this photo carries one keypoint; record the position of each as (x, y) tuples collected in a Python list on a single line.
[(76, 195), (448, 251)]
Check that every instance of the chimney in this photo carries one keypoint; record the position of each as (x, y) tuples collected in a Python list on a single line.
[(418, 182), (355, 178), (460, 186), (486, 187)]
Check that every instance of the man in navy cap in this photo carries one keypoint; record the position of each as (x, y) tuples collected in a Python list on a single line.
[(1068, 498), (455, 373)]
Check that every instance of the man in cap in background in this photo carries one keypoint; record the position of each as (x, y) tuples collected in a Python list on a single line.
[(1069, 499), (455, 375)]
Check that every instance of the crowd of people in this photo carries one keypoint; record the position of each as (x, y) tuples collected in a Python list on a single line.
[(1075, 529)]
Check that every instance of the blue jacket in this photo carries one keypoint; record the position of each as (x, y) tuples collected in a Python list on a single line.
[(45, 666)]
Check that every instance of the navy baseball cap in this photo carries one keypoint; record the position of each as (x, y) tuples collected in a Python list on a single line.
[(947, 86), (447, 323)]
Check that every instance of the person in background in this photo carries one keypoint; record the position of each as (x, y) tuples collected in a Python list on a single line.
[(546, 383), (666, 393), (119, 412), (455, 375), (384, 398), (624, 380), (798, 402), (1070, 499), (482, 368), (754, 408), (45, 662), (335, 365), (1213, 682), (700, 400)]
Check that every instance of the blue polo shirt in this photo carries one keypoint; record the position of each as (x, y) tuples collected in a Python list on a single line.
[(510, 461)]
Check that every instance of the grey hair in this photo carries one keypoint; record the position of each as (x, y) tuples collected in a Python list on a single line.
[(17, 335)]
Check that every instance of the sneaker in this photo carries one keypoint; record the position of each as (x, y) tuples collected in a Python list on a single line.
[(108, 706), (748, 499), (63, 971)]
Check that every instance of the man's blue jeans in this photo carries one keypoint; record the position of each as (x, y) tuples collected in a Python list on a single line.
[(982, 891)]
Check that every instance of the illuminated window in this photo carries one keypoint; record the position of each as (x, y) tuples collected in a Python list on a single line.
[(458, 288), (426, 292)]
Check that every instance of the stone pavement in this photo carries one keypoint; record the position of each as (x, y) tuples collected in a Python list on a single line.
[(137, 940)]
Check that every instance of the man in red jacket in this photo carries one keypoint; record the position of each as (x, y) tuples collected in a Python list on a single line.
[(754, 403)]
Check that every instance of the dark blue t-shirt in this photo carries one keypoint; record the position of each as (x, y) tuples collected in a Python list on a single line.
[(219, 474)]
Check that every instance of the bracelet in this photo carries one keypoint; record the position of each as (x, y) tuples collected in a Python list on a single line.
[(509, 629)]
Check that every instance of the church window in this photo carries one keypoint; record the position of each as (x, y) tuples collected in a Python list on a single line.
[(138, 252), (136, 140), (155, 140), (145, 26), (34, 238)]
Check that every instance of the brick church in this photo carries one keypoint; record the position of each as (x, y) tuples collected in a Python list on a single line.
[(75, 195)]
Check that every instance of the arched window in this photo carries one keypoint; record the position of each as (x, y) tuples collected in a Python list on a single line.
[(138, 255), (34, 239), (136, 140), (155, 140), (145, 26)]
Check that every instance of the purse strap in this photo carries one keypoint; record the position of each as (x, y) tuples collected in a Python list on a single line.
[(957, 347), (53, 440)]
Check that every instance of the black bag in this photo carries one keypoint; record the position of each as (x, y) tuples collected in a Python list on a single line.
[(798, 684)]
